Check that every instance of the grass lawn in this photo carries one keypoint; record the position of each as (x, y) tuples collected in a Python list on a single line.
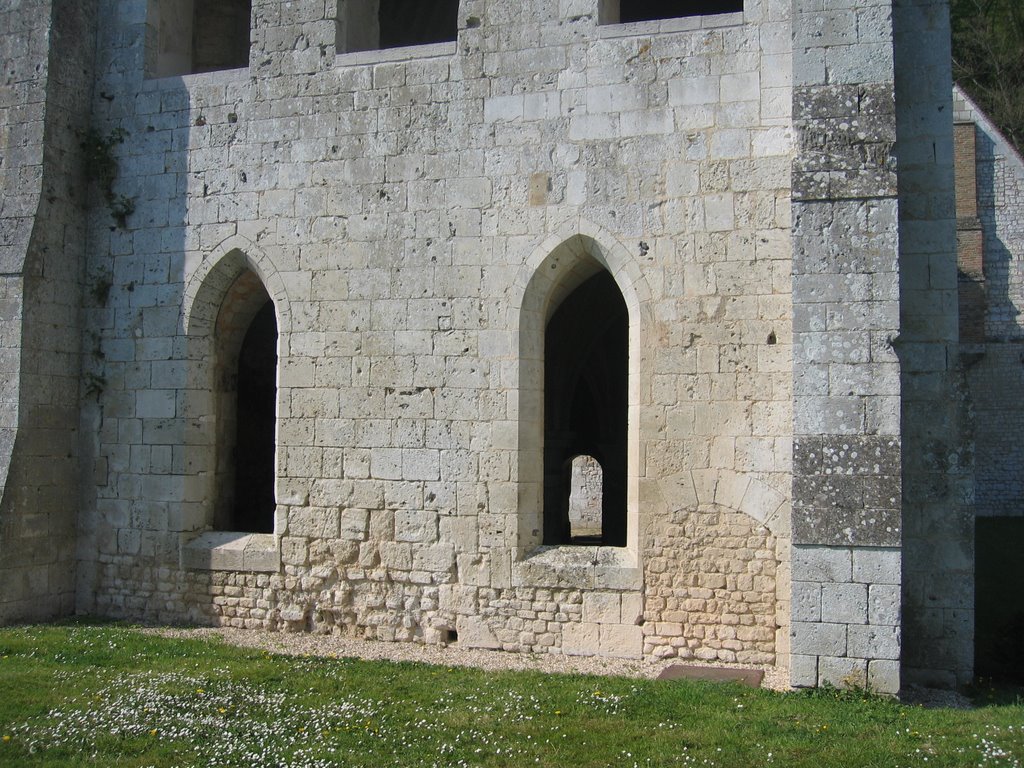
[(107, 695)]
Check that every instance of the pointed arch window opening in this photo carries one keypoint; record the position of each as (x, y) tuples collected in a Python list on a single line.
[(246, 419), (586, 361)]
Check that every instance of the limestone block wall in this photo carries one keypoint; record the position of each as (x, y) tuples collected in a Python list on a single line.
[(47, 93), (22, 144), (714, 606), (415, 215), (846, 423)]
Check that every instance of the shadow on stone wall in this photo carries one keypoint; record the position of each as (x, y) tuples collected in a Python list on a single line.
[(138, 483), (995, 380)]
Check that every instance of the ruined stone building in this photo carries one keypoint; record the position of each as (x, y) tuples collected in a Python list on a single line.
[(646, 329)]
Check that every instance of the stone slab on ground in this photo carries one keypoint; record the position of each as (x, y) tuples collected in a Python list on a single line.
[(748, 677)]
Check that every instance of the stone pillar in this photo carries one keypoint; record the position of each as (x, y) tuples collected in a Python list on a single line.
[(43, 255), (846, 462), (938, 462)]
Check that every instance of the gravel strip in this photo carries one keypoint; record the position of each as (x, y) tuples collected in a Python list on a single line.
[(309, 644)]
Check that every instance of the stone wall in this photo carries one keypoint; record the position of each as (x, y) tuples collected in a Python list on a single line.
[(995, 387), (938, 538), (711, 588), (994, 373), (23, 44), (796, 460), (49, 62), (415, 215), (994, 368), (846, 274)]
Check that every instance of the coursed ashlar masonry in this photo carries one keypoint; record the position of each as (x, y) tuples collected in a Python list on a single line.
[(642, 329)]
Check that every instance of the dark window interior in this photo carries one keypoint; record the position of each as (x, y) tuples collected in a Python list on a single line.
[(586, 355), (648, 10), (417, 22), (220, 34), (999, 599), (256, 415)]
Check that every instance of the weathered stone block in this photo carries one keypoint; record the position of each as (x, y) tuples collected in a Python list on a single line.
[(354, 524), (602, 608), (581, 639), (418, 526), (884, 677), (874, 642), (844, 603), (823, 564), (877, 566), (806, 605), (842, 672), (621, 640), (818, 639), (313, 523)]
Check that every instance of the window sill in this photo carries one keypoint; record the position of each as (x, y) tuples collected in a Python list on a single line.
[(579, 567), (232, 551), (379, 55), (187, 79), (667, 26)]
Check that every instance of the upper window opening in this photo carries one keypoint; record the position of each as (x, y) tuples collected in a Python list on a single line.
[(625, 11), (367, 25), (586, 359), (189, 36), (220, 34)]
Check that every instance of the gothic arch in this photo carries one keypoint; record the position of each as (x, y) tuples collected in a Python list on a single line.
[(229, 301), (554, 270), (211, 279)]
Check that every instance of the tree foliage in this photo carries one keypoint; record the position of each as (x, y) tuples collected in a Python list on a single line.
[(988, 59)]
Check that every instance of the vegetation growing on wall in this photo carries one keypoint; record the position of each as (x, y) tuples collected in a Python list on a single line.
[(101, 167)]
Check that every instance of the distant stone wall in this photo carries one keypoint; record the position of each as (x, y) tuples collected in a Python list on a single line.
[(1000, 191), (995, 385), (585, 495), (995, 373)]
